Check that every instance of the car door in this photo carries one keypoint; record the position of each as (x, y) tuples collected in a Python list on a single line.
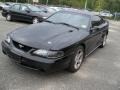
[(95, 36), (15, 11), (25, 13)]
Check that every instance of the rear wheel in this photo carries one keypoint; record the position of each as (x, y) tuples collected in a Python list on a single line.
[(77, 60), (8, 17), (35, 20), (104, 41)]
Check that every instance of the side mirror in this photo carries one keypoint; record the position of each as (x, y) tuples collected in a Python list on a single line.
[(28, 11), (94, 29), (45, 11)]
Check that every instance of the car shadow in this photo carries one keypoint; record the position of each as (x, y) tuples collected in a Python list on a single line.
[(20, 22), (14, 21)]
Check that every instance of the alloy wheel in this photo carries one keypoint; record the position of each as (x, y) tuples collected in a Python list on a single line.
[(8, 18), (35, 20), (104, 40), (78, 59)]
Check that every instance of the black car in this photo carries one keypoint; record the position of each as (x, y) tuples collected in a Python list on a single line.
[(24, 12), (60, 42)]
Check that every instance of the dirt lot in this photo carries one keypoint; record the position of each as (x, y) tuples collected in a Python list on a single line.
[(101, 71)]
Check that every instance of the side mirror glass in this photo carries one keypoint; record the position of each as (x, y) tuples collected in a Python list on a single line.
[(28, 11), (94, 29), (45, 11)]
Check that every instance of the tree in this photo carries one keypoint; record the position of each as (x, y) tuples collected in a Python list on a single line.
[(99, 5)]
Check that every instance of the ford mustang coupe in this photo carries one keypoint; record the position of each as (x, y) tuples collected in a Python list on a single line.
[(60, 42)]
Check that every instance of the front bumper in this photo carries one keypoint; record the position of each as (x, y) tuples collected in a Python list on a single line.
[(35, 62), (4, 14)]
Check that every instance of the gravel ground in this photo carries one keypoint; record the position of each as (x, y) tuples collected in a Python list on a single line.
[(101, 70)]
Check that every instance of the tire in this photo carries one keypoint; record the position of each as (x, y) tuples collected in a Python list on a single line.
[(8, 17), (104, 41), (35, 20), (77, 60)]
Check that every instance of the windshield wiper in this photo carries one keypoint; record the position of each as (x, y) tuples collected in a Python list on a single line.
[(68, 25), (62, 23)]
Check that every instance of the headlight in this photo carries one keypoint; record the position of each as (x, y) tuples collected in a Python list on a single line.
[(8, 39), (49, 54)]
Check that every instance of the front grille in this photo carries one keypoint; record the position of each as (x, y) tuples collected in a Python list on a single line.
[(21, 46)]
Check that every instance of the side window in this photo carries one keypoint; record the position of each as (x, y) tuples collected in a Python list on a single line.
[(15, 7), (24, 8), (96, 21)]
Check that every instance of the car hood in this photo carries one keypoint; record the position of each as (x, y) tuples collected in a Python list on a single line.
[(48, 36)]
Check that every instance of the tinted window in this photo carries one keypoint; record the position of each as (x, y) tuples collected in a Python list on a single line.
[(42, 9), (24, 8), (15, 7), (96, 21), (34, 8)]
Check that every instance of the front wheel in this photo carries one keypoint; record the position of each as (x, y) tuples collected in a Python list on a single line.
[(35, 20), (104, 41), (77, 60), (8, 17)]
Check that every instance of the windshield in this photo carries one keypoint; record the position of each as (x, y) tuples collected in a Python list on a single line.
[(76, 20), (34, 8)]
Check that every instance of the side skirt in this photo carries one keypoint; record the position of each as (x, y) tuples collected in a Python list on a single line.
[(92, 51)]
